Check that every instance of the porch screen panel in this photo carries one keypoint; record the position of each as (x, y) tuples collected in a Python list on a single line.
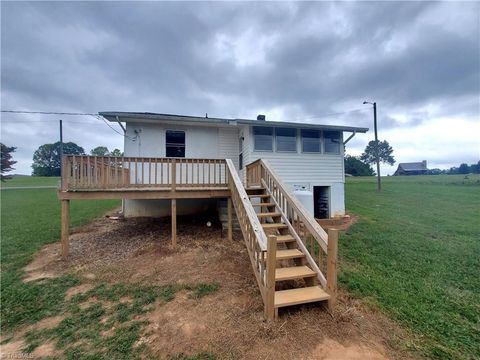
[(332, 142), (311, 141), (263, 138)]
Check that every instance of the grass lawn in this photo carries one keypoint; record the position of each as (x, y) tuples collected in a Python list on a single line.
[(19, 181), (30, 218), (415, 254)]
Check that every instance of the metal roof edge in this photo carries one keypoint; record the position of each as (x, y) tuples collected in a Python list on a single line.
[(113, 115)]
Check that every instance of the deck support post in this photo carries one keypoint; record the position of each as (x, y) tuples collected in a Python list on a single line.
[(332, 254), (229, 214), (64, 237), (270, 312), (174, 222)]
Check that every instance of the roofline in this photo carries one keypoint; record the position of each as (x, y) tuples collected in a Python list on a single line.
[(115, 116)]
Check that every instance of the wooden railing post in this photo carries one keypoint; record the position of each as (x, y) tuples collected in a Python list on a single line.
[(65, 222), (174, 174), (332, 254), (230, 220), (270, 280)]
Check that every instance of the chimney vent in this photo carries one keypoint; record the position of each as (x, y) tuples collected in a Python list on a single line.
[(261, 117)]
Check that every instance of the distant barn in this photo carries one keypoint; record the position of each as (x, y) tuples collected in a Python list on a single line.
[(415, 168)]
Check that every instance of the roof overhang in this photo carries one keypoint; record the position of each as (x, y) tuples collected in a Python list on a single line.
[(135, 117)]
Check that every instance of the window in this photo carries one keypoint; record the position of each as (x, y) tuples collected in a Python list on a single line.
[(286, 139), (175, 143), (263, 138), (310, 141), (332, 142)]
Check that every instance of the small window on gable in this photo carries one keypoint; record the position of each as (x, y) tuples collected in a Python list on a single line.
[(311, 141), (175, 143), (332, 142), (263, 138), (286, 139)]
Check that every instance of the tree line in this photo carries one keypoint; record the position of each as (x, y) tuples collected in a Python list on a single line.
[(463, 168), (46, 159)]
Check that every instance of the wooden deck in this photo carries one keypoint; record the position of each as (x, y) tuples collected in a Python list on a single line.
[(140, 178)]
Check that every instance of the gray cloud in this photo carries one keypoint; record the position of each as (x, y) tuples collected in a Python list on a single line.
[(419, 60)]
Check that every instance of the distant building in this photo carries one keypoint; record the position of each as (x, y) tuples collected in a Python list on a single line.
[(415, 168)]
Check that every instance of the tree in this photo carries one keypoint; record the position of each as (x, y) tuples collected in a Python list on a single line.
[(116, 152), (6, 161), (46, 159), (384, 153), (356, 167), (464, 169), (100, 151), (103, 151), (475, 168)]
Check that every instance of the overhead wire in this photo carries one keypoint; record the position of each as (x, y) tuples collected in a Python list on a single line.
[(97, 116)]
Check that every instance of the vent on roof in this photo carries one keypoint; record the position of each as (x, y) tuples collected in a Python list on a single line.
[(261, 117)]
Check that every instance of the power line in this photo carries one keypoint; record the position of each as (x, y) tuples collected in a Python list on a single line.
[(98, 117), (46, 112), (327, 115), (105, 121), (50, 121)]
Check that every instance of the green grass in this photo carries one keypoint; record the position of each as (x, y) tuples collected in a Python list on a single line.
[(415, 254), (19, 181), (103, 330), (31, 219)]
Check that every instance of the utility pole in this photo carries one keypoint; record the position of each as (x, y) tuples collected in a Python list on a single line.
[(61, 155), (379, 185), (377, 155)]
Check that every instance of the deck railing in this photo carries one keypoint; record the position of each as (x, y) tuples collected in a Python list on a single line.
[(82, 172), (320, 248), (253, 234)]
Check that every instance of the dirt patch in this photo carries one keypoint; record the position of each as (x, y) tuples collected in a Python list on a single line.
[(342, 224), (77, 290), (46, 350), (48, 323), (12, 350), (228, 323), (36, 270)]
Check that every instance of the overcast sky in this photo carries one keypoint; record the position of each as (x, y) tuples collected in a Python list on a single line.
[(309, 62)]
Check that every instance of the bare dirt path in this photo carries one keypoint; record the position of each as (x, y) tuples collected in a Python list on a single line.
[(229, 323)]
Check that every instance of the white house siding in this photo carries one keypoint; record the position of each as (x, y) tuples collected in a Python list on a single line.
[(200, 142), (228, 144)]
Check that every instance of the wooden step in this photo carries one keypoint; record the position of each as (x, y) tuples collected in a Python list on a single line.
[(289, 254), (300, 296), (269, 214), (275, 226), (294, 272), (263, 204), (252, 188), (285, 238), (263, 196)]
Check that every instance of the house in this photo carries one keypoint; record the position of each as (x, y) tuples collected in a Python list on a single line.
[(306, 156), (415, 168), (276, 177)]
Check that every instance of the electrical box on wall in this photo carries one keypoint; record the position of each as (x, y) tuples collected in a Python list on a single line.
[(304, 186)]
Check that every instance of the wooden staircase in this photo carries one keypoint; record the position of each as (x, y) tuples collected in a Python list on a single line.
[(295, 282), (293, 258)]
